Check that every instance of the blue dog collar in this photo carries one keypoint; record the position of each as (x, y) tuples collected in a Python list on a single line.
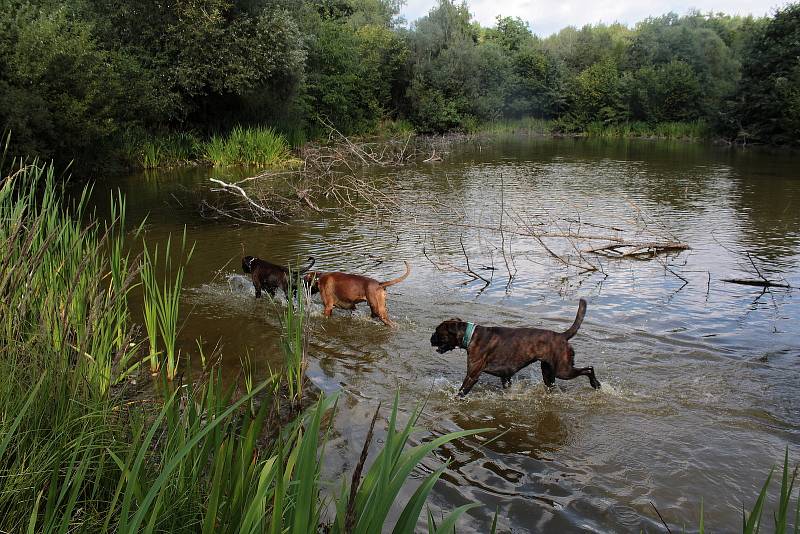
[(468, 335)]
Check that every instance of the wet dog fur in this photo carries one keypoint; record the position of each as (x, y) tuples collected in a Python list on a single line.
[(345, 290), (269, 277), (502, 351)]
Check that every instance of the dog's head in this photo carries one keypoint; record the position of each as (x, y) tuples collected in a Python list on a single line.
[(247, 263), (448, 335), (310, 279)]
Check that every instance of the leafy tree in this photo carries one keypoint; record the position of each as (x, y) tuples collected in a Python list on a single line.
[(445, 84), (580, 49), (693, 41), (197, 49), (61, 95), (668, 92), (767, 103), (598, 94)]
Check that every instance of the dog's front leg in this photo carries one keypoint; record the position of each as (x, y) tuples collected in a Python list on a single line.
[(474, 369), (548, 375)]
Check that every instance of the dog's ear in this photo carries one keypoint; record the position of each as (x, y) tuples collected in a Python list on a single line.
[(455, 320)]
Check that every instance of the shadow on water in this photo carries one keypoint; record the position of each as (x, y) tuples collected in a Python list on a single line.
[(699, 379)]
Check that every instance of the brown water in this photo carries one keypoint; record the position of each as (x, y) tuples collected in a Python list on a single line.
[(700, 382)]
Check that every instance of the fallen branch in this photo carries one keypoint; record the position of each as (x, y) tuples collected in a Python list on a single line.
[(469, 269), (763, 281)]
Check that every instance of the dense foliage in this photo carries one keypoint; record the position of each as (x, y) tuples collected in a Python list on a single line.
[(79, 77)]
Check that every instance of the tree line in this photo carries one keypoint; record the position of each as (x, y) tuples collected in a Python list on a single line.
[(77, 76)]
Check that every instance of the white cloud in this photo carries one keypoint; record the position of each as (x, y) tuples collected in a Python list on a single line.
[(546, 18)]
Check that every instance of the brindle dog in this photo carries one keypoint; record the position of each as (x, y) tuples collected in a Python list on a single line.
[(270, 277), (502, 351), (345, 290)]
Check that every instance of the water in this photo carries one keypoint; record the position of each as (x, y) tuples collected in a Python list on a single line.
[(699, 379)]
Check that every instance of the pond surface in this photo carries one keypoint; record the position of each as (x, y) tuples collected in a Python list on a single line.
[(700, 377)]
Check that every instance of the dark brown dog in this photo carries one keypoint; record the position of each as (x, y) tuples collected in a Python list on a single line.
[(270, 277), (502, 351), (344, 290)]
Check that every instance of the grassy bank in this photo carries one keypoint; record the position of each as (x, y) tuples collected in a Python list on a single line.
[(79, 452)]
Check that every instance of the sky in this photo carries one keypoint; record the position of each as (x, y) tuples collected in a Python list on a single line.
[(548, 17)]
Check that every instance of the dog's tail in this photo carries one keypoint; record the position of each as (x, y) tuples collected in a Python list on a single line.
[(305, 269), (572, 330), (398, 280)]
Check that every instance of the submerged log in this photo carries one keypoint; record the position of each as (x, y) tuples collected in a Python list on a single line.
[(633, 249), (758, 283)]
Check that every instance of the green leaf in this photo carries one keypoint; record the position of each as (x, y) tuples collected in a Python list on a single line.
[(449, 524)]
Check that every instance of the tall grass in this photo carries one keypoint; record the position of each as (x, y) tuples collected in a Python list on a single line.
[(62, 283), (782, 516), (666, 130), (166, 150), (161, 304), (364, 506), (294, 338), (523, 126), (751, 523), (394, 128), (255, 145)]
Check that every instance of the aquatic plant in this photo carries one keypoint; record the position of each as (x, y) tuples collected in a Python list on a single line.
[(751, 523), (666, 130), (146, 151), (394, 128), (161, 304), (294, 337), (525, 126), (254, 145), (364, 506), (59, 286)]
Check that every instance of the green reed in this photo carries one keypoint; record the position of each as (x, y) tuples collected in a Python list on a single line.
[(665, 130), (161, 304), (394, 128), (751, 523), (523, 126), (294, 338), (195, 464), (364, 505), (148, 151), (255, 145), (58, 281), (782, 516)]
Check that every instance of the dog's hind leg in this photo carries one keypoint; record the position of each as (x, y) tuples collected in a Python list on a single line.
[(505, 381), (580, 371), (328, 299), (377, 306)]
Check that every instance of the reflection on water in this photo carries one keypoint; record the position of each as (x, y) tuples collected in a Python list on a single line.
[(699, 380)]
